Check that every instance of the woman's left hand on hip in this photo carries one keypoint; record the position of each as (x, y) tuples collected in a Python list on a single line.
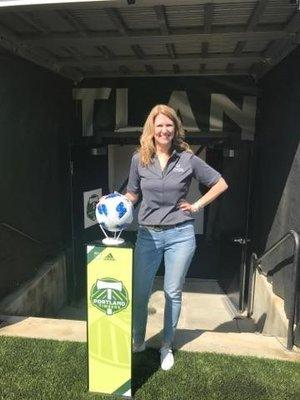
[(185, 206)]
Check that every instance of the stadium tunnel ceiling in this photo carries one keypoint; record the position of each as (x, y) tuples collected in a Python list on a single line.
[(83, 39)]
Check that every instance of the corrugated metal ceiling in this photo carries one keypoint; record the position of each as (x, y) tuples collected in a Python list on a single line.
[(112, 38)]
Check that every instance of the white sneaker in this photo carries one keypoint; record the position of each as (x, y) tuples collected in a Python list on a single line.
[(166, 358), (138, 348)]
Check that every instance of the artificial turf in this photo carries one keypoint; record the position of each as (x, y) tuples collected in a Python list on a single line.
[(33, 369)]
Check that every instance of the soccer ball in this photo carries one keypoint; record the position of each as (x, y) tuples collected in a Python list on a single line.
[(114, 212)]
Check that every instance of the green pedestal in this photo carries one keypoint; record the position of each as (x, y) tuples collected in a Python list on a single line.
[(109, 302)]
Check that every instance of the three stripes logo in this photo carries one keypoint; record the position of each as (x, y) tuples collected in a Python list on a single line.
[(109, 295), (109, 257)]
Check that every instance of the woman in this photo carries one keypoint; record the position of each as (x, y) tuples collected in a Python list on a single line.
[(161, 171)]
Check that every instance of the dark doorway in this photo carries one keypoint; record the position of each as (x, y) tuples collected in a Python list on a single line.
[(230, 230), (206, 259), (221, 252), (221, 249)]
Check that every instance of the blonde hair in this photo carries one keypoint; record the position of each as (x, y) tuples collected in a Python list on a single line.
[(147, 148)]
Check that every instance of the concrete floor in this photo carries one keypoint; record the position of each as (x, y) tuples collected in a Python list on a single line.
[(208, 322), (204, 305)]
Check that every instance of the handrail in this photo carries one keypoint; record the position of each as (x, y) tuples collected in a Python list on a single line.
[(255, 265), (12, 228)]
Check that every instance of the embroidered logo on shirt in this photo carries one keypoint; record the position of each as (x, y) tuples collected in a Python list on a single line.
[(178, 168)]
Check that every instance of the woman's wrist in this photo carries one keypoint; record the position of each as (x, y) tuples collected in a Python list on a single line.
[(131, 197), (195, 207)]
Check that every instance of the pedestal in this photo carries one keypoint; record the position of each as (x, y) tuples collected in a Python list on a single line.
[(109, 321)]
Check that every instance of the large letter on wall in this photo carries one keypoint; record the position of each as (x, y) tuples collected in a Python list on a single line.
[(180, 102), (88, 97), (121, 108), (244, 117)]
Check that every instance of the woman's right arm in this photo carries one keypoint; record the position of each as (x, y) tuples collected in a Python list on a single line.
[(133, 197), (133, 186)]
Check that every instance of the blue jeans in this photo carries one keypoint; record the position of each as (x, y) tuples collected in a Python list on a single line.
[(177, 246)]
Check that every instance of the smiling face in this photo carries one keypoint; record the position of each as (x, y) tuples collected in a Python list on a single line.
[(164, 131)]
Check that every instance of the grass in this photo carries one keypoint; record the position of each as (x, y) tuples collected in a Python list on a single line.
[(33, 369)]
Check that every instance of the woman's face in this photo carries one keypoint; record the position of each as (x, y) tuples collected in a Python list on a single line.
[(164, 130)]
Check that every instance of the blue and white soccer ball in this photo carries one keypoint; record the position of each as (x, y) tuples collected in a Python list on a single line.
[(114, 212)]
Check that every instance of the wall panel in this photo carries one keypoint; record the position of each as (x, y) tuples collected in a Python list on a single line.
[(36, 122)]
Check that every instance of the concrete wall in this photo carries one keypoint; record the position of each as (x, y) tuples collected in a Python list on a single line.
[(44, 295), (36, 124), (268, 309)]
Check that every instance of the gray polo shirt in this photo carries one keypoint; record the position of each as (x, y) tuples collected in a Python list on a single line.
[(162, 190)]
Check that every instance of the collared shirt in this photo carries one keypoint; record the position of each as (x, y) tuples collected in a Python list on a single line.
[(162, 190)]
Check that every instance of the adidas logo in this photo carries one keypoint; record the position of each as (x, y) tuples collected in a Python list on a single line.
[(109, 257)]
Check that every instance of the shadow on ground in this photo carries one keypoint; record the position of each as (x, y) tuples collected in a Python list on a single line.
[(145, 364)]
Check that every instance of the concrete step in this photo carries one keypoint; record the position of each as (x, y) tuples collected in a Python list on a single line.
[(238, 343)]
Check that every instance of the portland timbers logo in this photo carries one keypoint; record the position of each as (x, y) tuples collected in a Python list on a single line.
[(91, 207), (109, 295)]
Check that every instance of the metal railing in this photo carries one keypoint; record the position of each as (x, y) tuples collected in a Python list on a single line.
[(12, 228), (255, 265)]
